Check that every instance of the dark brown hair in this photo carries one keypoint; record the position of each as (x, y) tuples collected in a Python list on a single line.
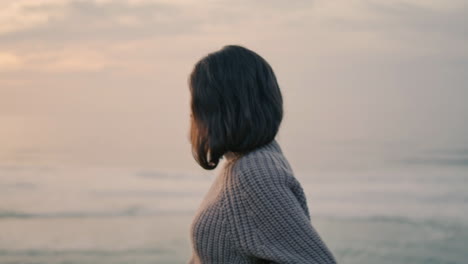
[(236, 104)]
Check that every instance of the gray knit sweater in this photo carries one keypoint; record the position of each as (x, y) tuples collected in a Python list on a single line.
[(256, 212)]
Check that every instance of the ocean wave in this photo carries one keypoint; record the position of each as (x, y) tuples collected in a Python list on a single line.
[(440, 223), (144, 193), (171, 175), (435, 161), (128, 212), (18, 186), (87, 252)]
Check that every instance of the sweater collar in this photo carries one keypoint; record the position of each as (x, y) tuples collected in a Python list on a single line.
[(272, 146)]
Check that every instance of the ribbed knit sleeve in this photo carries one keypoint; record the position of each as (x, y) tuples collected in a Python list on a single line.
[(267, 220)]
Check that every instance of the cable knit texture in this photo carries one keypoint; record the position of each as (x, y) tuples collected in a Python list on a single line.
[(256, 212)]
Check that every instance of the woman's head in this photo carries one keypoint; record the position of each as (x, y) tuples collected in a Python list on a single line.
[(236, 104)]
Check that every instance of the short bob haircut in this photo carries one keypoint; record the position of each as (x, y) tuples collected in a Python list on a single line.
[(236, 104)]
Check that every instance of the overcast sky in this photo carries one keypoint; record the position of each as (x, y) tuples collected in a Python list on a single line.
[(105, 82)]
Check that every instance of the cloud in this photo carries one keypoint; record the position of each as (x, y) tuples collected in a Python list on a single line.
[(78, 20), (415, 17), (90, 36), (14, 15), (9, 61), (387, 30), (84, 36), (68, 21), (65, 61), (423, 18), (57, 61)]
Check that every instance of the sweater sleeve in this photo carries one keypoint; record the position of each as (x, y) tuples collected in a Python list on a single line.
[(269, 223)]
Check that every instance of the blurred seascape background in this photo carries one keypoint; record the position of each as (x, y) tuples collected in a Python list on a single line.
[(95, 162)]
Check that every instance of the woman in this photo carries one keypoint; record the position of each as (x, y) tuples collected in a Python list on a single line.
[(256, 210)]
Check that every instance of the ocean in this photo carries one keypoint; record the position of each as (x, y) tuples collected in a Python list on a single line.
[(410, 213)]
